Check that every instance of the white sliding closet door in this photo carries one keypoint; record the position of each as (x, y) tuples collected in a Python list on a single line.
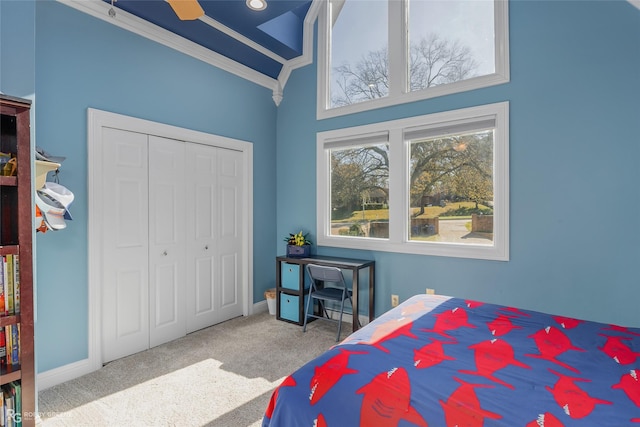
[(230, 237), (214, 235), (167, 240), (125, 244)]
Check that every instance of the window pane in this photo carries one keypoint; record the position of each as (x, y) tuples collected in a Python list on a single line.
[(451, 189), (359, 61), (360, 191), (450, 41)]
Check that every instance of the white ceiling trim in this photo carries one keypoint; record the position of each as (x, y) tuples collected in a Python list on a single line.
[(307, 49), (231, 33), (127, 21), (636, 3)]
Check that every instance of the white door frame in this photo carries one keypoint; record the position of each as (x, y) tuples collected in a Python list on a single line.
[(96, 121)]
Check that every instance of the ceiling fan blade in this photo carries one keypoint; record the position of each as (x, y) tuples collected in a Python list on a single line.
[(187, 10)]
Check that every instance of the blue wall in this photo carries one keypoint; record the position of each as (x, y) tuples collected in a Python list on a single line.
[(574, 148), (17, 41), (84, 62), (575, 121)]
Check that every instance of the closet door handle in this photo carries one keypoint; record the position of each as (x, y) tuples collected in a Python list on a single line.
[(164, 253), (206, 247)]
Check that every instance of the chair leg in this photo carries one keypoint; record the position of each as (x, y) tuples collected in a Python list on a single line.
[(306, 312), (323, 308), (340, 320)]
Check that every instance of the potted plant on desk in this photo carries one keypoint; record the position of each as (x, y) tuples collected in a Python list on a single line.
[(298, 245)]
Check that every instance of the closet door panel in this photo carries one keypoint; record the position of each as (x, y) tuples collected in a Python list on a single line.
[(229, 273), (230, 233), (202, 193), (125, 297), (167, 262)]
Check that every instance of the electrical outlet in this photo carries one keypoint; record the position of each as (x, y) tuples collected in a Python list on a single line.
[(430, 291), (395, 300)]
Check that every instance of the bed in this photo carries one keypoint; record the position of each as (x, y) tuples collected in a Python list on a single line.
[(443, 361)]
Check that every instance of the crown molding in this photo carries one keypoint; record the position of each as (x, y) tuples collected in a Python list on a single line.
[(636, 3), (242, 39), (307, 45), (100, 9)]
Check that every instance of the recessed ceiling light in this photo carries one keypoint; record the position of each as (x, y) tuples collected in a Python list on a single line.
[(257, 4)]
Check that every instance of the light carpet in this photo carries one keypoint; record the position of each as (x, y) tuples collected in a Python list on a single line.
[(223, 375)]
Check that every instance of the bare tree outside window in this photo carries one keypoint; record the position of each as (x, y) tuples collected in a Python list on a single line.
[(433, 61)]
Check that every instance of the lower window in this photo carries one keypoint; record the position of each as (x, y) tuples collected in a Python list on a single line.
[(433, 185)]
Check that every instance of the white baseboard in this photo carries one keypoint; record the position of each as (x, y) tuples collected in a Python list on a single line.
[(64, 373), (260, 307)]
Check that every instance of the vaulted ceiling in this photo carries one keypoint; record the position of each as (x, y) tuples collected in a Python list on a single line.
[(262, 46)]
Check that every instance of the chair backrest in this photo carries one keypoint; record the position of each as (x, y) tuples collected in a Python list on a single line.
[(326, 274)]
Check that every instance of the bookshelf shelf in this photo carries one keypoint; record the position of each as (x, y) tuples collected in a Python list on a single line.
[(8, 181), (10, 373), (9, 320), (17, 378)]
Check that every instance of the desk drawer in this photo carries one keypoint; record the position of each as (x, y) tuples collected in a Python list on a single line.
[(292, 307), (290, 275)]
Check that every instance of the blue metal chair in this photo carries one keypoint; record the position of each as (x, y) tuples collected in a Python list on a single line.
[(320, 275)]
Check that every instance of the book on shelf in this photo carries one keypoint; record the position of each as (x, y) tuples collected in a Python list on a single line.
[(9, 284), (16, 283), (12, 344), (3, 279), (2, 300), (15, 344), (14, 391), (7, 340), (3, 347), (9, 407)]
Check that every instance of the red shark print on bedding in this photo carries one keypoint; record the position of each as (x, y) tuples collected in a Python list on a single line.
[(551, 343), (473, 304), (572, 399), (431, 354), (492, 356), (501, 325), (320, 421), (545, 420), (567, 322), (449, 321), (329, 373), (287, 382), (618, 351), (630, 384), (387, 400), (617, 328), (462, 408), (514, 310)]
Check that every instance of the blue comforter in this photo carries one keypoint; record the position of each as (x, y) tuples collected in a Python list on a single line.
[(441, 361)]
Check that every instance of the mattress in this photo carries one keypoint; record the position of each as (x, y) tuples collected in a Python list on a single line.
[(442, 361)]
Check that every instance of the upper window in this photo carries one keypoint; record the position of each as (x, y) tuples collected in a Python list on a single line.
[(435, 185), (380, 53)]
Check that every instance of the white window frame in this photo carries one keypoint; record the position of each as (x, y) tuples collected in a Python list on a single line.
[(398, 240), (397, 95)]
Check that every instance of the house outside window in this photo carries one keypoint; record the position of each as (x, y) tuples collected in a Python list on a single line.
[(379, 53), (433, 185)]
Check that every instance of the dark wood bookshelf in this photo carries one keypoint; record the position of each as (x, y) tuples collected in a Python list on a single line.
[(16, 213)]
